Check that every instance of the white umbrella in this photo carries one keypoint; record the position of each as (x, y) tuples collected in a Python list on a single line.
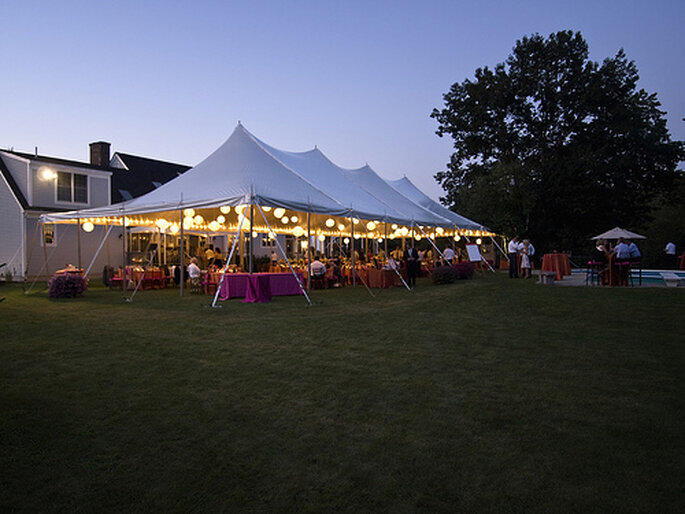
[(617, 232)]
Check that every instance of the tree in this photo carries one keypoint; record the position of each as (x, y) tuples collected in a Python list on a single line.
[(555, 146)]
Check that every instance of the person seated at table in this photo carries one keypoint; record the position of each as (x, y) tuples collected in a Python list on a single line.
[(449, 254), (317, 268), (622, 257), (194, 272)]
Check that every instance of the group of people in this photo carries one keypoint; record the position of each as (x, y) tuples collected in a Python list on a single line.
[(526, 252), (625, 252)]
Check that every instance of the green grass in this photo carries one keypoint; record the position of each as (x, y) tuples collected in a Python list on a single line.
[(489, 394)]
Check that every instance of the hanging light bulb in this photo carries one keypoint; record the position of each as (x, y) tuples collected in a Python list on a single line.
[(187, 222), (479, 241), (380, 239), (254, 234), (284, 220), (417, 236), (225, 209), (293, 219), (457, 237), (279, 212), (394, 226), (330, 222), (87, 226), (341, 227), (220, 219), (355, 220), (371, 225), (189, 212), (346, 240)]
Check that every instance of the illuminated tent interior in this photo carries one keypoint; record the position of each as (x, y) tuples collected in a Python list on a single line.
[(264, 190)]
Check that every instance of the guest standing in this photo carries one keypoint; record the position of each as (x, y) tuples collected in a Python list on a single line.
[(513, 250), (411, 262)]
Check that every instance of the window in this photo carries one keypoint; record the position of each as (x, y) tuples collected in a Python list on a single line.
[(266, 242), (72, 187), (49, 234)]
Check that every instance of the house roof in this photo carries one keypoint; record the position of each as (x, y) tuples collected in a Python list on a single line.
[(141, 176), (56, 160)]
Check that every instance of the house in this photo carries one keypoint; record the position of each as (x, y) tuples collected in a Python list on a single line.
[(33, 184)]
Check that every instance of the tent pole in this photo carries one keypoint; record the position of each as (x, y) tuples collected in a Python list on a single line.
[(354, 269), (385, 240), (97, 252), (309, 252), (432, 243), (123, 255), (45, 249), (228, 262), (181, 251), (78, 241), (250, 258), (285, 256)]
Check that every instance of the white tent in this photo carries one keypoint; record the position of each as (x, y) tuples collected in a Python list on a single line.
[(408, 189), (618, 232), (245, 170)]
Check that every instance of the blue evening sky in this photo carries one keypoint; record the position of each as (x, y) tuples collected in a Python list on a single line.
[(170, 79)]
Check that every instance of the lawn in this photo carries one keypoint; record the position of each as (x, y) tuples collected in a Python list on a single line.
[(485, 395)]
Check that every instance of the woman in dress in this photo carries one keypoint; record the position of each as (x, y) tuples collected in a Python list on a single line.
[(525, 260)]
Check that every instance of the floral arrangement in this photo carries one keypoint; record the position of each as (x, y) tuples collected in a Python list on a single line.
[(67, 285)]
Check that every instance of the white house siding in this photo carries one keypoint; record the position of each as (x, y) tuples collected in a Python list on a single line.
[(99, 191), (11, 229), (65, 251)]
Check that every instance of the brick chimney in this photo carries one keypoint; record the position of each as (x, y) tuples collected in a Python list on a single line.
[(99, 153)]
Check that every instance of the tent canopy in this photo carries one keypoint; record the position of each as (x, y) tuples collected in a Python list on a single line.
[(617, 232), (245, 170)]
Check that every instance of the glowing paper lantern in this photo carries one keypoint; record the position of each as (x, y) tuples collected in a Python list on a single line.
[(357, 235), (174, 228), (394, 226), (214, 226), (240, 209), (479, 241), (371, 225), (346, 240), (457, 237), (330, 222), (293, 219), (189, 212), (199, 220), (162, 224), (266, 209), (225, 209), (439, 230), (355, 220), (220, 219), (279, 212), (284, 220), (341, 227), (404, 231), (298, 231), (322, 238), (187, 222), (87, 226)]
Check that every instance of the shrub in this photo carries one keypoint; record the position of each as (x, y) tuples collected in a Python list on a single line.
[(68, 285)]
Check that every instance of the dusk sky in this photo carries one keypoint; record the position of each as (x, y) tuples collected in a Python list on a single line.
[(171, 79)]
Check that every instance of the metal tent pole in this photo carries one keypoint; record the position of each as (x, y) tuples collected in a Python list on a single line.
[(354, 269), (123, 254), (309, 253), (78, 241), (251, 238), (181, 251)]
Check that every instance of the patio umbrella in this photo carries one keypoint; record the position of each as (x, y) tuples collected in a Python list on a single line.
[(617, 232)]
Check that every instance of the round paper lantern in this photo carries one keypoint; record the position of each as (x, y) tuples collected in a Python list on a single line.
[(394, 226), (284, 220), (322, 238), (404, 231), (87, 226), (174, 228), (189, 212), (293, 219), (357, 235), (162, 224), (346, 240), (240, 209), (371, 225), (341, 227), (355, 220), (199, 220), (330, 222), (479, 241), (214, 226), (298, 231), (220, 219), (279, 212), (225, 209), (187, 222), (457, 237), (439, 230)]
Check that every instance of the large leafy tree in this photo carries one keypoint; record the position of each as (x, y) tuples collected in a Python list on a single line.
[(555, 146)]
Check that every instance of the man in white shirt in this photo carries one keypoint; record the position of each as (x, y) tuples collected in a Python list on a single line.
[(622, 251), (670, 250), (449, 255), (513, 249), (317, 268)]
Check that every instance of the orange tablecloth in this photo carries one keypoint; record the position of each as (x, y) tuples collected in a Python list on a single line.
[(682, 261), (558, 263)]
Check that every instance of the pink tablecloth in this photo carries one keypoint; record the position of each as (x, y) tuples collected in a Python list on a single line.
[(235, 285)]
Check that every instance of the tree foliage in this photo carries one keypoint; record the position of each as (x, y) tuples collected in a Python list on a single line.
[(555, 146)]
